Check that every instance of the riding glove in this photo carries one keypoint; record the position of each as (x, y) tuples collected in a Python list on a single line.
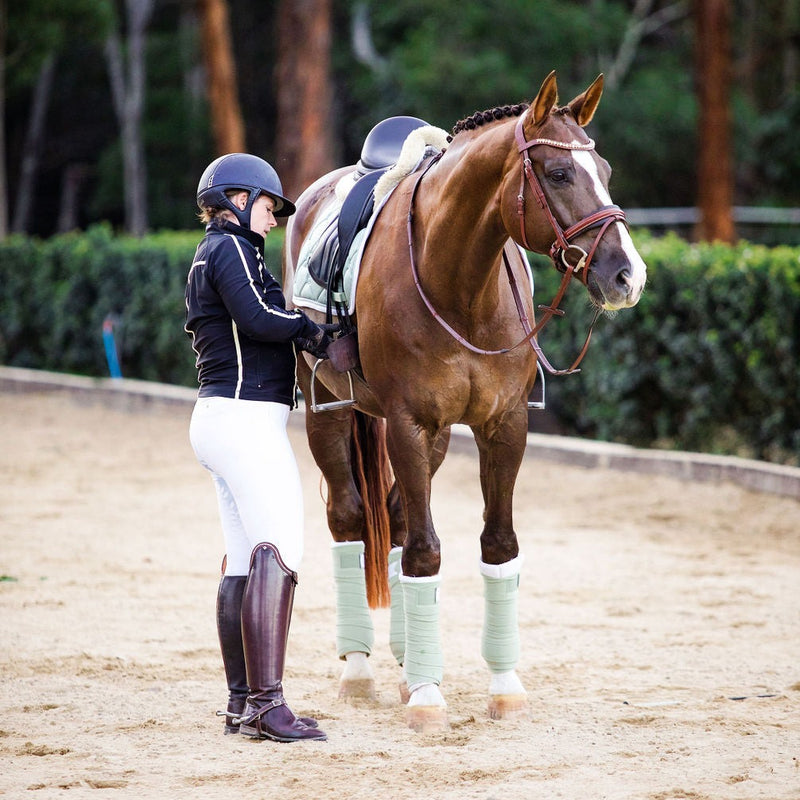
[(317, 344)]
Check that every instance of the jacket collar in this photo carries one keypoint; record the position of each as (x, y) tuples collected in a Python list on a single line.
[(224, 226)]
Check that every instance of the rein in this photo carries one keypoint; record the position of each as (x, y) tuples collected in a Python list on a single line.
[(602, 218)]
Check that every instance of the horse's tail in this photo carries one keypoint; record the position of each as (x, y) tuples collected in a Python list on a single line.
[(373, 477)]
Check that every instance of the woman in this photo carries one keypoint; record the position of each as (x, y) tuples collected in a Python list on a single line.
[(246, 341)]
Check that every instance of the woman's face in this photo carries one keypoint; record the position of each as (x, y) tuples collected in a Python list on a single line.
[(262, 219)]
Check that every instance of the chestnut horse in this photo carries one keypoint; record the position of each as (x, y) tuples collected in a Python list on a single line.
[(445, 337)]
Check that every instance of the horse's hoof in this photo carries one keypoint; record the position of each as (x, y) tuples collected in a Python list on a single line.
[(508, 706), (427, 719), (358, 689), (426, 711), (405, 695), (507, 696), (357, 681)]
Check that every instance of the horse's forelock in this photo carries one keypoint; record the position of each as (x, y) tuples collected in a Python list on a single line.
[(560, 115)]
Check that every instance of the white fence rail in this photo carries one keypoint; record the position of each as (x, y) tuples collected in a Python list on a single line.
[(748, 215)]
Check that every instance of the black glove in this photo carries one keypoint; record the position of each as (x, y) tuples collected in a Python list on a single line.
[(317, 344)]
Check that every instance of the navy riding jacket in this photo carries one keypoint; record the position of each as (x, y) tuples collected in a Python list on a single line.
[(237, 318)]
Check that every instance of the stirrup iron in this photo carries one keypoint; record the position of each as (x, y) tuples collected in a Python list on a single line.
[(334, 404), (536, 405)]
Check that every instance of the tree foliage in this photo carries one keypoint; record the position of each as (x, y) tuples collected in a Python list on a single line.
[(437, 60)]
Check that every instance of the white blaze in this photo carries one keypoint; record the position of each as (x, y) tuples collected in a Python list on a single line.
[(638, 268)]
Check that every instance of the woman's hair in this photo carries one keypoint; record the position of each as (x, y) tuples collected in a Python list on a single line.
[(209, 213)]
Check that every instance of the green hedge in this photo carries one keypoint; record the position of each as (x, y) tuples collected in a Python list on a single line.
[(707, 361), (55, 295)]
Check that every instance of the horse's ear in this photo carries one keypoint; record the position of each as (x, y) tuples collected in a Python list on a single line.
[(584, 105), (545, 100)]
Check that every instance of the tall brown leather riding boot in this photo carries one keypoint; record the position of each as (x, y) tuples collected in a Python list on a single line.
[(229, 628), (266, 614)]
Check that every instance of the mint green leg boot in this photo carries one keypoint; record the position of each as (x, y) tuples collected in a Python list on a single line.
[(500, 639), (426, 711), (354, 632), (397, 622)]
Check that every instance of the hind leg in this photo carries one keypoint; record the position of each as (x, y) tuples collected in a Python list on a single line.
[(501, 447), (330, 441), (397, 625)]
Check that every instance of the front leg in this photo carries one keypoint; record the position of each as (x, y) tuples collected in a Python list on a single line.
[(411, 450), (501, 446)]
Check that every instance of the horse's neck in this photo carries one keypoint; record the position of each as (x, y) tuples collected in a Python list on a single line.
[(463, 231)]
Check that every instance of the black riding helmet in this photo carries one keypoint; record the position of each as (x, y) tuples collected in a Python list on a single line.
[(248, 173)]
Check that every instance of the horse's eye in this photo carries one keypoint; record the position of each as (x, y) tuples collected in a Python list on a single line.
[(558, 176)]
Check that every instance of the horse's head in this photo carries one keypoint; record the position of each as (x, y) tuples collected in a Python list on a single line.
[(561, 203)]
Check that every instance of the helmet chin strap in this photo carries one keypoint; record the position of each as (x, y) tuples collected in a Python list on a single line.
[(243, 214)]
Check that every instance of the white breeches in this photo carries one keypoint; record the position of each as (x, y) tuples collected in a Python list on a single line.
[(245, 447)]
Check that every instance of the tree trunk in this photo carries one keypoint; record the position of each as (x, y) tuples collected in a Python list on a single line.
[(33, 146), (791, 47), (223, 98), (127, 90), (714, 171), (72, 180), (304, 144), (3, 174), (643, 21)]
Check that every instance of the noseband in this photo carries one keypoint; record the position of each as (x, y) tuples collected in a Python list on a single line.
[(561, 247)]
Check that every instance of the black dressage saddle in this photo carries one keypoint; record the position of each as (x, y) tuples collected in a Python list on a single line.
[(380, 151)]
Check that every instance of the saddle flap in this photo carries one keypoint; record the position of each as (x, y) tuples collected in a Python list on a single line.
[(343, 352), (328, 260), (326, 254)]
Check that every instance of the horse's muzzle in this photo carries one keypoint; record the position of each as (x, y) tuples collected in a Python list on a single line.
[(622, 289)]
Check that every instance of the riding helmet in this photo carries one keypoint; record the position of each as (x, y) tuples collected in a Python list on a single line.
[(248, 173)]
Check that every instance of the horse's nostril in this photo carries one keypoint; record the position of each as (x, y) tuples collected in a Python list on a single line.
[(624, 277)]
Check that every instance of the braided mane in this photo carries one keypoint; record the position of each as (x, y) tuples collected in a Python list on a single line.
[(480, 118)]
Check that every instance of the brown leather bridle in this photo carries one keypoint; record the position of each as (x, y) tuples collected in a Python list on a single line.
[(561, 247), (559, 251)]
